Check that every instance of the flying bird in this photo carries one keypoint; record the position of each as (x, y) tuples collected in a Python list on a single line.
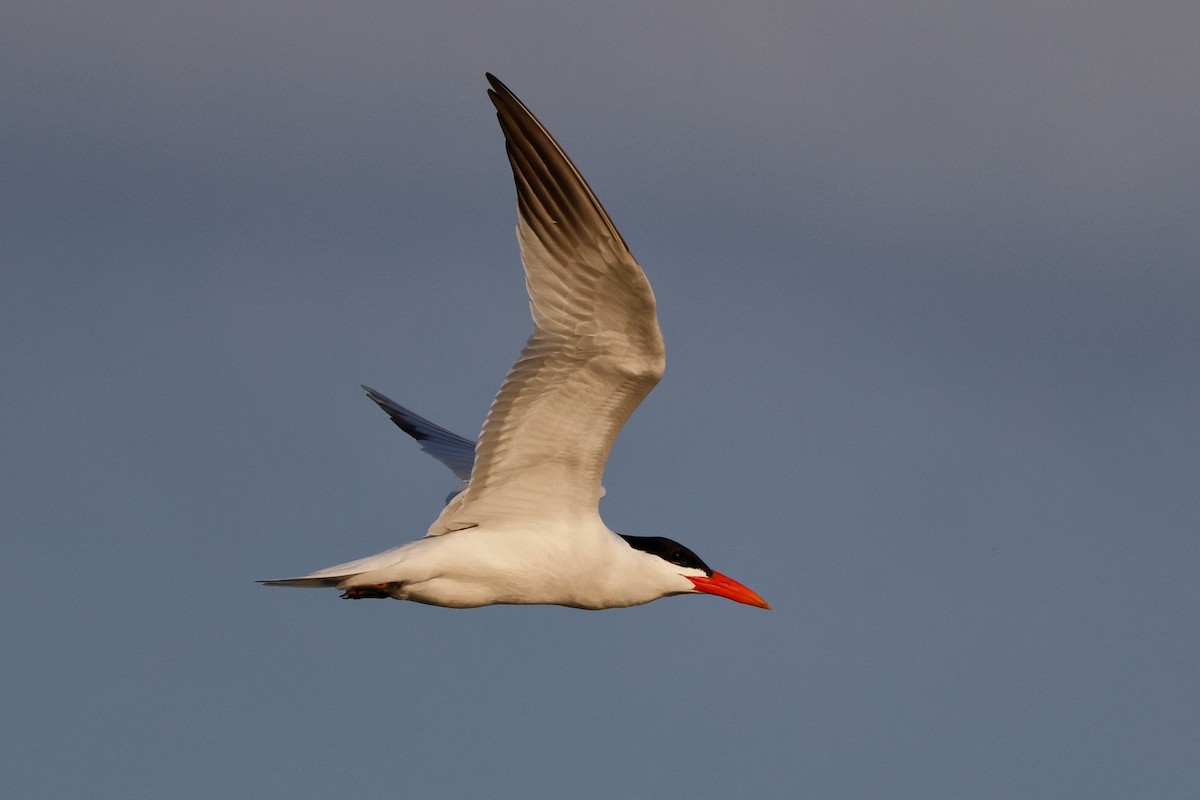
[(525, 527)]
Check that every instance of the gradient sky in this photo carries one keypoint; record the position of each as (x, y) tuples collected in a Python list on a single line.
[(929, 276)]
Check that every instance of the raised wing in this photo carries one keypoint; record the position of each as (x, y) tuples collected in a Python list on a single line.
[(595, 352)]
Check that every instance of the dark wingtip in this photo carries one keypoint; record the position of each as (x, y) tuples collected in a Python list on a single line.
[(396, 414), (379, 398), (502, 96)]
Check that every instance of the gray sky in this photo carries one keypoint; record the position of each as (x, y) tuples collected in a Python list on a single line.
[(928, 274)]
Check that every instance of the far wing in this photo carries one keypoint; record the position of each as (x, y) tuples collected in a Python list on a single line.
[(456, 452)]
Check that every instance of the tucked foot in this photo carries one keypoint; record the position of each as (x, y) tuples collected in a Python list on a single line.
[(378, 591)]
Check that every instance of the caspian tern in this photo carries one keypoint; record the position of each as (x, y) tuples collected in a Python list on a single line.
[(525, 527)]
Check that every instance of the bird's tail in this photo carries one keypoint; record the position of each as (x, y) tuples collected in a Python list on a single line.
[(325, 582), (338, 576)]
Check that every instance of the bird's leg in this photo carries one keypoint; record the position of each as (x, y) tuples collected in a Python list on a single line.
[(379, 590)]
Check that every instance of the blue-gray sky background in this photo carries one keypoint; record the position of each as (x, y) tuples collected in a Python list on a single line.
[(929, 274)]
